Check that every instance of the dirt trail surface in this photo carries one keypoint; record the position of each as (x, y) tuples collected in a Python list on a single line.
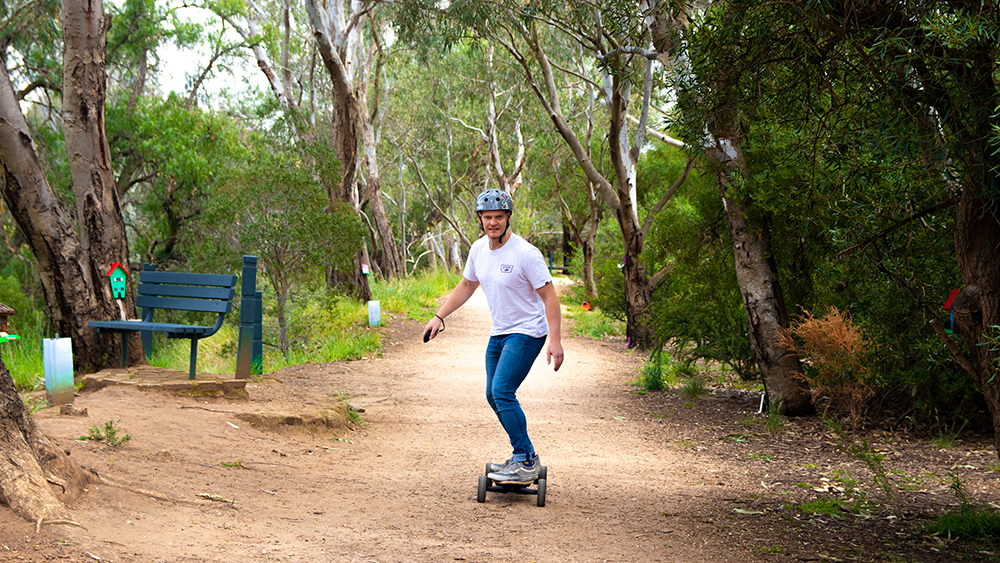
[(630, 477)]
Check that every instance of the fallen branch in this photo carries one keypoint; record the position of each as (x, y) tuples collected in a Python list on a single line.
[(215, 498)]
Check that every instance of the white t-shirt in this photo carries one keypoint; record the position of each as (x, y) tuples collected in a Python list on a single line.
[(510, 278)]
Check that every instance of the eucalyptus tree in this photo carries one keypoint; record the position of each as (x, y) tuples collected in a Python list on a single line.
[(541, 38), (938, 62), (712, 100), (334, 36), (460, 123), (893, 102), (340, 42), (72, 246)]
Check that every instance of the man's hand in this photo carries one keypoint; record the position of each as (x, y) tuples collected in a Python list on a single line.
[(554, 352)]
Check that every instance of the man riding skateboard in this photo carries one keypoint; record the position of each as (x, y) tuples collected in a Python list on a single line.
[(525, 310)]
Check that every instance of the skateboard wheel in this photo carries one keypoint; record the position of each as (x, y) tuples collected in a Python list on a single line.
[(543, 473), (541, 492), (488, 471), (484, 482)]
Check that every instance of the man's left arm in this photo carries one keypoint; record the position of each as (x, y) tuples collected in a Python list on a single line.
[(553, 316)]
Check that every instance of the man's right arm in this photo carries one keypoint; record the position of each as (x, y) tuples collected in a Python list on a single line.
[(462, 292)]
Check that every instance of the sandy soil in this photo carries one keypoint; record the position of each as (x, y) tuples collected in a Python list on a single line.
[(631, 477)]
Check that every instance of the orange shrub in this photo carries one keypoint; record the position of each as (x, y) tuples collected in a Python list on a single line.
[(836, 355)]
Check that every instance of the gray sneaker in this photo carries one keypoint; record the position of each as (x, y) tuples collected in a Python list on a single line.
[(495, 467), (517, 472)]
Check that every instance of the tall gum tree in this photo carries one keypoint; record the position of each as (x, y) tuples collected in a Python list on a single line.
[(72, 258), (74, 249), (763, 299), (337, 32)]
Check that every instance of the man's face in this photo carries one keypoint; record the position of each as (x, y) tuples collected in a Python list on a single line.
[(494, 223)]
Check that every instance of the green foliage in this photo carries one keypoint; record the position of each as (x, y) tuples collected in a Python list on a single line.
[(276, 208), (171, 158), (853, 189), (19, 290), (866, 453), (415, 295), (775, 422), (661, 371), (694, 387), (969, 521), (652, 376), (108, 434), (593, 324), (698, 308)]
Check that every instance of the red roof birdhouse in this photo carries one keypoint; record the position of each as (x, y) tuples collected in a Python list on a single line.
[(117, 274)]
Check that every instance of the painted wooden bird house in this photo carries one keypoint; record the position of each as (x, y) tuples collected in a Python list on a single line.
[(118, 274)]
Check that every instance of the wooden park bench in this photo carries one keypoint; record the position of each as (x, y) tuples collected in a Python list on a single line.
[(211, 294)]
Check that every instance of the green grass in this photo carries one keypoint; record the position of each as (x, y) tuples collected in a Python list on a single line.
[(325, 328), (108, 434), (25, 361), (415, 297), (590, 324), (968, 522), (694, 387), (661, 372)]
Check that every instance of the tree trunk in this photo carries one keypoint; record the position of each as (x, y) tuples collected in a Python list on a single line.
[(29, 463), (386, 252), (72, 276), (638, 288), (344, 122), (765, 309), (98, 210), (977, 246), (762, 297)]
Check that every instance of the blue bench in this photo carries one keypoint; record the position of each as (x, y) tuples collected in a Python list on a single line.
[(211, 294)]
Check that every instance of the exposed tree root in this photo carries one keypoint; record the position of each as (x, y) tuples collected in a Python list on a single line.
[(38, 525), (107, 481)]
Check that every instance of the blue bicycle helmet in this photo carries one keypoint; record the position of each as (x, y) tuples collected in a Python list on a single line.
[(494, 200)]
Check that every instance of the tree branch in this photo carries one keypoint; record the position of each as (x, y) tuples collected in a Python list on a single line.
[(648, 223), (943, 205)]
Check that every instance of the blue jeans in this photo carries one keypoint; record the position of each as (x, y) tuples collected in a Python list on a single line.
[(508, 360)]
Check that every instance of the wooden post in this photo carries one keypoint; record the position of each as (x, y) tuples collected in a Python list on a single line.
[(249, 307)]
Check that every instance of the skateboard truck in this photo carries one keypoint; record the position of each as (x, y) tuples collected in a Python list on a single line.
[(489, 485)]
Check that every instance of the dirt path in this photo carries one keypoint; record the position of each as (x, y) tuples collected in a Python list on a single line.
[(628, 480)]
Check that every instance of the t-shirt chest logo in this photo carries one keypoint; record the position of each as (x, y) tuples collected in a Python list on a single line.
[(506, 268)]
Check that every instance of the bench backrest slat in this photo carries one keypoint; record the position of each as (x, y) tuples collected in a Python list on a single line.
[(183, 278), (203, 305), (191, 291)]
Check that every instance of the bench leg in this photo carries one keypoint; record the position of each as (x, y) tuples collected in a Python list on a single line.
[(194, 357), (124, 349)]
